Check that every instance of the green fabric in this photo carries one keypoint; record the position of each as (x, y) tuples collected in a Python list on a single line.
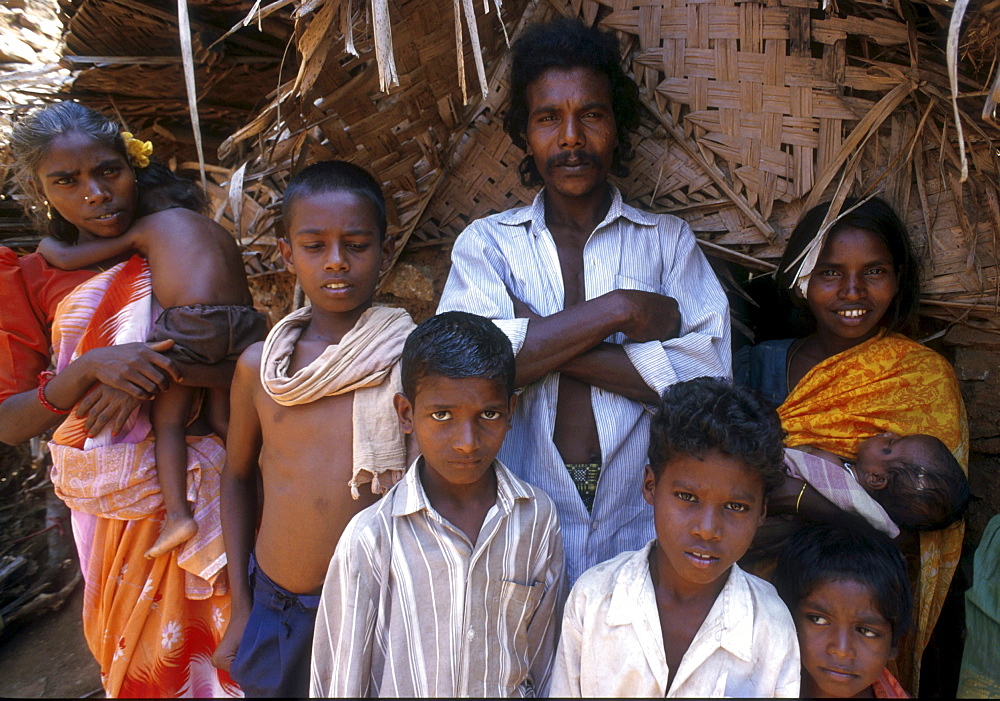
[(980, 674)]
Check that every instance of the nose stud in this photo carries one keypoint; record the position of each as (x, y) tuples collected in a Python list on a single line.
[(86, 198)]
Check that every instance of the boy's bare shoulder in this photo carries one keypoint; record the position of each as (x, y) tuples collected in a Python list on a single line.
[(250, 359)]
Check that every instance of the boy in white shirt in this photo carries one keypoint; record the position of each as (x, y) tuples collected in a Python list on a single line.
[(679, 617)]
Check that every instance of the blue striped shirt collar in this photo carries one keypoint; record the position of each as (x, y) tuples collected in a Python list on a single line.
[(534, 213), (410, 495)]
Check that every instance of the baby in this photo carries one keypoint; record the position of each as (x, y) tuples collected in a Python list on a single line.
[(907, 481)]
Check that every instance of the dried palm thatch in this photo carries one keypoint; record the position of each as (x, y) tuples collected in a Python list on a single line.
[(334, 108), (756, 111), (128, 58)]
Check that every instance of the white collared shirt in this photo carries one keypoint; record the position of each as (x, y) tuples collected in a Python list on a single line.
[(410, 607), (612, 642), (629, 249)]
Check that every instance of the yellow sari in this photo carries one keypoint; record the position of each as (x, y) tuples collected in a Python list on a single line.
[(889, 383)]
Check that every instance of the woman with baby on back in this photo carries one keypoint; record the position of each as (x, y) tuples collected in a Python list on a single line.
[(855, 375), (154, 611)]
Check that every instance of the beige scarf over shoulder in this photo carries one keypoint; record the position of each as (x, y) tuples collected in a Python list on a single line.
[(366, 362)]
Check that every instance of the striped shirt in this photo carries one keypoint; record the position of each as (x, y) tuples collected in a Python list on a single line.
[(411, 607), (629, 249)]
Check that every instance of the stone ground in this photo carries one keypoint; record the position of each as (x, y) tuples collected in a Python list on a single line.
[(47, 656)]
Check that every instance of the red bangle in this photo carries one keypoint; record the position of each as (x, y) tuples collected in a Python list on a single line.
[(43, 379)]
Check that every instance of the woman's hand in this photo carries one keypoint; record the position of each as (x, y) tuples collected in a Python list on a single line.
[(106, 405), (138, 369)]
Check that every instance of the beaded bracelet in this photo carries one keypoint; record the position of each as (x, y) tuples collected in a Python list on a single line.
[(799, 500), (43, 379)]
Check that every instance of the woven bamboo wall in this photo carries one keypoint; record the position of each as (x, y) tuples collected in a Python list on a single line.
[(760, 110)]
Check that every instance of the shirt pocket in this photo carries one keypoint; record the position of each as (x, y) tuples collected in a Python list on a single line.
[(626, 282), (513, 595), (514, 606)]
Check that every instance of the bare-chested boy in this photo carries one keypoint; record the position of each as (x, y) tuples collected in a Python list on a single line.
[(313, 404)]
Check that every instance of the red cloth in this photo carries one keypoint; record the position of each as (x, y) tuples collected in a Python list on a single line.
[(30, 290), (886, 687)]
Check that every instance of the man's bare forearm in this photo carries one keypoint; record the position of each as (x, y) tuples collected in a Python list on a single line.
[(608, 366), (553, 341)]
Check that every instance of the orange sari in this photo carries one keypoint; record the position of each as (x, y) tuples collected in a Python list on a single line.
[(152, 624), (889, 383)]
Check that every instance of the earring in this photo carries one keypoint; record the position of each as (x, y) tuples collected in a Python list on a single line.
[(48, 210)]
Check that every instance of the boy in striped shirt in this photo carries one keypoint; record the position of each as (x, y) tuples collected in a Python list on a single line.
[(452, 584)]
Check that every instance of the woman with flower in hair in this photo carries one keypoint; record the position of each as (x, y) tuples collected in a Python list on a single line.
[(152, 619)]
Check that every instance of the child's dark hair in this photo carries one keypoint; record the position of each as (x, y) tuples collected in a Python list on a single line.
[(927, 496), (335, 176), (30, 139), (567, 43), (874, 216), (820, 553), (709, 413), (457, 344), (161, 188)]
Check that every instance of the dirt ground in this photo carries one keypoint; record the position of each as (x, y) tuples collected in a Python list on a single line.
[(47, 656)]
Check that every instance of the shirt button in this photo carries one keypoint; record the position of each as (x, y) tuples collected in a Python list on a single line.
[(593, 525), (471, 634)]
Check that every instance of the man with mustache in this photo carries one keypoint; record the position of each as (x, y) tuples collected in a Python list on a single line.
[(605, 305)]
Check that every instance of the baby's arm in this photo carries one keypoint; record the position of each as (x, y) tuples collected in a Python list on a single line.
[(70, 256)]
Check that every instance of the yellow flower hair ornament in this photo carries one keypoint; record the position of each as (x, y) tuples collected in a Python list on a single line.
[(139, 151)]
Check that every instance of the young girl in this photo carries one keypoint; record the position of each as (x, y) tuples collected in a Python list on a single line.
[(199, 279), (850, 598), (855, 375)]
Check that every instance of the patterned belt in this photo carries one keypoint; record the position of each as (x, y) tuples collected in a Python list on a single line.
[(585, 477)]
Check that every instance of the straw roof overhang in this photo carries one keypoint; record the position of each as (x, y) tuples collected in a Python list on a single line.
[(755, 111), (127, 57)]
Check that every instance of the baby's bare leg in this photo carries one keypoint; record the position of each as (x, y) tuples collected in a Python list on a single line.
[(170, 413), (218, 411)]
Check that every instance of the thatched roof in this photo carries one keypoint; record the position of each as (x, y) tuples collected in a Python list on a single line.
[(128, 58), (756, 111)]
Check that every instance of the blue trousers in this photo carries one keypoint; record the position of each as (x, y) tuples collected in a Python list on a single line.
[(274, 653)]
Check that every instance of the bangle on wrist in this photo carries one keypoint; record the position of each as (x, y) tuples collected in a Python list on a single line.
[(799, 500), (43, 379)]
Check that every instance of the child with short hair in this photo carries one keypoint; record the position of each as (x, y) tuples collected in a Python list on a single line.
[(849, 594), (679, 617), (313, 418), (451, 585), (910, 481), (199, 280)]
